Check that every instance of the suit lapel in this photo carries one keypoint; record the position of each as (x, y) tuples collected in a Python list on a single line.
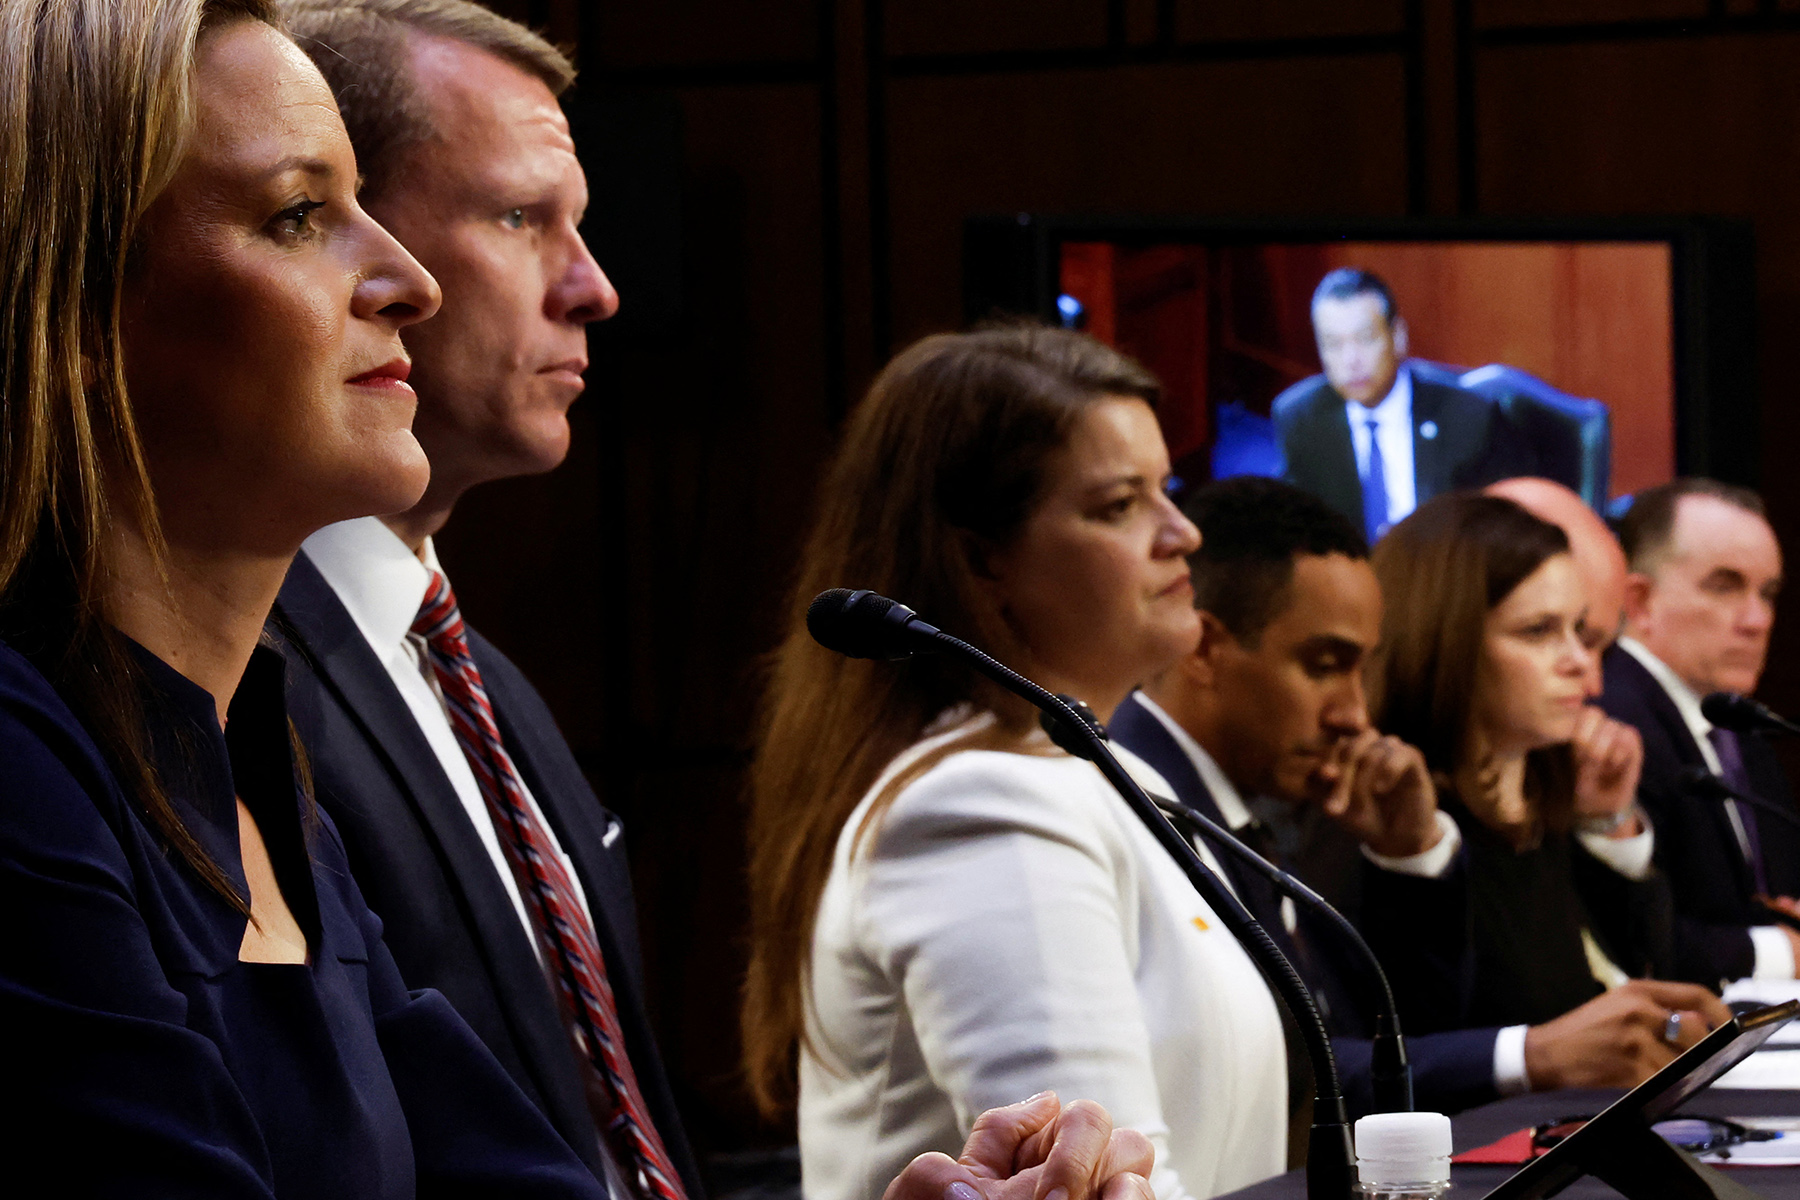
[(589, 834), (1340, 485), (1668, 718), (1428, 460), (1137, 729), (348, 668)]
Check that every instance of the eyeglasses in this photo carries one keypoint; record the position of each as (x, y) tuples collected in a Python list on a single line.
[(1696, 1135)]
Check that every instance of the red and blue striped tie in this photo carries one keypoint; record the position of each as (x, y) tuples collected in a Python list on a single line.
[(555, 906)]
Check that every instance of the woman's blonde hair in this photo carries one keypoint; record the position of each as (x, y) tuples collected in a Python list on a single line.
[(96, 106)]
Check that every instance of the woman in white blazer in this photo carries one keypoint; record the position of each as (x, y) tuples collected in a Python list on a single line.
[(950, 913)]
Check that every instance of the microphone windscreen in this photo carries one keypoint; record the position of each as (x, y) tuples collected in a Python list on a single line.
[(1728, 710), (850, 623)]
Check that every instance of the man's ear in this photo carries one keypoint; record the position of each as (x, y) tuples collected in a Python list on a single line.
[(1399, 331), (1202, 667), (1638, 590)]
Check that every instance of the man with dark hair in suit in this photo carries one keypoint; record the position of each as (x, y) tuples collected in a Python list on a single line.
[(1699, 606), (1377, 434), (1271, 705)]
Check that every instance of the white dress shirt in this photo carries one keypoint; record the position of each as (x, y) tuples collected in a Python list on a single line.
[(1010, 926), (1394, 433), (382, 584), (1773, 952)]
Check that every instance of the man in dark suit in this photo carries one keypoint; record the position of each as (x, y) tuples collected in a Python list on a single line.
[(1377, 435), (1271, 705), (1699, 605), (501, 879)]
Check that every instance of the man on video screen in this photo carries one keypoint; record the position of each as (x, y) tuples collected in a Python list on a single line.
[(1377, 433)]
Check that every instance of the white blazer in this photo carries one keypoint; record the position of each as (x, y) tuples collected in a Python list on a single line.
[(1009, 927)]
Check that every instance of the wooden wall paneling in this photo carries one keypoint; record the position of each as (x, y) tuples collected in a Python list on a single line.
[(1492, 14), (1317, 134), (1671, 125), (848, 179), (958, 27), (1209, 20), (662, 33), (1619, 350), (1143, 21)]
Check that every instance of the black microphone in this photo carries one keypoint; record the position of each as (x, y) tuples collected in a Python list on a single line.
[(862, 624), (1390, 1073), (866, 625), (1741, 714)]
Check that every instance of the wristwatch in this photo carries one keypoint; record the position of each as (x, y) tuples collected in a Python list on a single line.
[(1607, 825)]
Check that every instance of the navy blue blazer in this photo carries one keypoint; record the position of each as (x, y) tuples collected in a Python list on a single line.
[(449, 921), (145, 1060), (1452, 1070), (1696, 846)]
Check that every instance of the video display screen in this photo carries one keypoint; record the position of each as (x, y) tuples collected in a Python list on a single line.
[(1553, 358)]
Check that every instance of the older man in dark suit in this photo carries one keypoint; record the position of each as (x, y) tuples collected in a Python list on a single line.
[(1699, 607), (1378, 434)]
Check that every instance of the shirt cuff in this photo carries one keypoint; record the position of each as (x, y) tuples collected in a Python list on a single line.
[(1509, 1062), (1774, 952), (1430, 864), (1630, 856)]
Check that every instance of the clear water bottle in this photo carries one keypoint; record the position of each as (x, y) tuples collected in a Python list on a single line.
[(1403, 1156)]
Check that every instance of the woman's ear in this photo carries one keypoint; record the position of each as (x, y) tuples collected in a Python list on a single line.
[(981, 554)]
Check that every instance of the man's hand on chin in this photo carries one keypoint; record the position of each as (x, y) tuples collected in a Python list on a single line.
[(1384, 796)]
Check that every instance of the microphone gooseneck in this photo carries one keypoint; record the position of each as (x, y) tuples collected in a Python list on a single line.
[(1707, 784), (1742, 714), (1390, 1074), (870, 626)]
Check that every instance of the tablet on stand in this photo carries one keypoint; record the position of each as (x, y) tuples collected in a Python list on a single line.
[(1619, 1148)]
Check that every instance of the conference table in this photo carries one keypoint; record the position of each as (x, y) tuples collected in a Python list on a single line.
[(1490, 1123)]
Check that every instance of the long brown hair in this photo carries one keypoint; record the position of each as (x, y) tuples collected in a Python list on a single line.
[(946, 457), (1442, 570), (96, 106)]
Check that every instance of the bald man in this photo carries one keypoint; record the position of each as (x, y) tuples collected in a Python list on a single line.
[(1705, 569), (1599, 559)]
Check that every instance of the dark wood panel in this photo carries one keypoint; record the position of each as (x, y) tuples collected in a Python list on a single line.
[(647, 33), (1324, 135), (638, 584), (1695, 125), (1208, 20), (1505, 13), (958, 27)]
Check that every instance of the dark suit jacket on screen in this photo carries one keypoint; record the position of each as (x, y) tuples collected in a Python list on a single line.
[(449, 920), (1469, 443), (1451, 1070), (1696, 846)]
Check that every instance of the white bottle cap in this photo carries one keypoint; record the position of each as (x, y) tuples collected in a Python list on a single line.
[(1404, 1147)]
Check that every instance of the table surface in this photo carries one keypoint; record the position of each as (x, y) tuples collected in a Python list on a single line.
[(1490, 1123)]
